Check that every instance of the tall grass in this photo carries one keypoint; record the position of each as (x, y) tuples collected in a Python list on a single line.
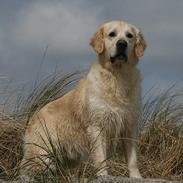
[(160, 145)]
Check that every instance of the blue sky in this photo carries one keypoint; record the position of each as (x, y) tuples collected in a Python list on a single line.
[(64, 28)]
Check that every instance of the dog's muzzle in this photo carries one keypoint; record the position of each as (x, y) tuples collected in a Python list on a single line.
[(121, 49)]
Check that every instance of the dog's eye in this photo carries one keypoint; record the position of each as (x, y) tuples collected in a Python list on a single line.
[(129, 35), (112, 34)]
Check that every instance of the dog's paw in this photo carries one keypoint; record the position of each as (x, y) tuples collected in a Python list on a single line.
[(135, 174)]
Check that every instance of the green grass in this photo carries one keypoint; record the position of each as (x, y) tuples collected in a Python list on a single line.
[(160, 145)]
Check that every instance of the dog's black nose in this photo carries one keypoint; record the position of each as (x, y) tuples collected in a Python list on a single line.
[(121, 44)]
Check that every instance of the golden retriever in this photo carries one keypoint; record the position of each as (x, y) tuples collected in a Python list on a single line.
[(102, 112)]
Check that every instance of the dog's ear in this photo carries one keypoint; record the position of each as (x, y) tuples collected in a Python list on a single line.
[(140, 44), (97, 41)]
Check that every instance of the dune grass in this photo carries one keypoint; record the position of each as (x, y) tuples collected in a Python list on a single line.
[(160, 145)]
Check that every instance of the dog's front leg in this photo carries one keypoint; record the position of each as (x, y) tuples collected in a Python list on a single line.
[(98, 150), (131, 157)]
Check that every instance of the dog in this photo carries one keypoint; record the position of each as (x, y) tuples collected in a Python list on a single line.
[(100, 115)]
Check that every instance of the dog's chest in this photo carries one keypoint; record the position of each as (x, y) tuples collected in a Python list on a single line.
[(113, 116), (113, 120), (113, 102)]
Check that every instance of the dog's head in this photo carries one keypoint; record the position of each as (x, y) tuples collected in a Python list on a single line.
[(118, 43)]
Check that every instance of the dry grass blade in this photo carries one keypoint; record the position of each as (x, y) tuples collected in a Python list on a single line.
[(49, 89), (11, 140), (161, 138)]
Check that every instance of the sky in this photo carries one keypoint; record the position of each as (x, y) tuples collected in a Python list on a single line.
[(41, 36)]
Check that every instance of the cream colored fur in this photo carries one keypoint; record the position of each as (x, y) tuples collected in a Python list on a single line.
[(100, 115)]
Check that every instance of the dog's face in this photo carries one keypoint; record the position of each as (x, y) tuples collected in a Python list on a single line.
[(118, 42)]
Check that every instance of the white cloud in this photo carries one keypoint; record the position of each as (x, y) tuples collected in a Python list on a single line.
[(63, 28)]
